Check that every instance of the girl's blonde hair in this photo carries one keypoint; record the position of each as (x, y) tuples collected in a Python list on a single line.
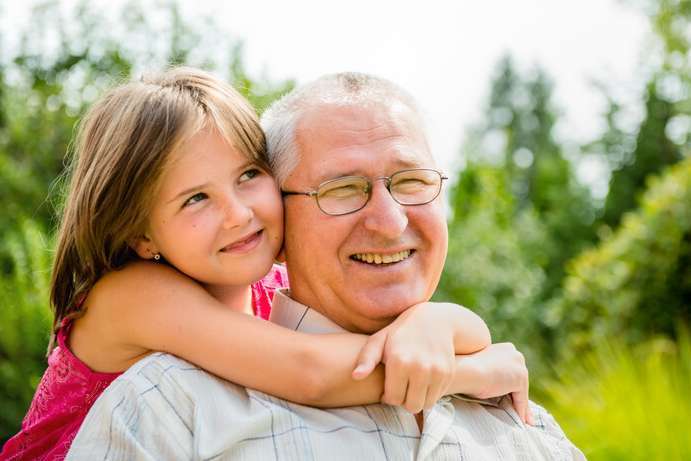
[(123, 146)]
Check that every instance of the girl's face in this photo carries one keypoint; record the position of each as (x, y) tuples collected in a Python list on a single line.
[(218, 217)]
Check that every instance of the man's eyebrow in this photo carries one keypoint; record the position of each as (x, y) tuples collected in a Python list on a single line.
[(399, 164)]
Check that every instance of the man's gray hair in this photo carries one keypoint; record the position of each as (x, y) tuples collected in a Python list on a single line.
[(280, 120)]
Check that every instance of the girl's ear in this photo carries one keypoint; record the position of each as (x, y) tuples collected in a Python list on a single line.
[(143, 246)]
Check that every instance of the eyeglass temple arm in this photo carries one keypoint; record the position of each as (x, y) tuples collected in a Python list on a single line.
[(290, 192)]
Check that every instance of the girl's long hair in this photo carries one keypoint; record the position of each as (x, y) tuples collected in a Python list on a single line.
[(123, 146)]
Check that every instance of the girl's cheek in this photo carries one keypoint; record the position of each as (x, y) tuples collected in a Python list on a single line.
[(192, 223)]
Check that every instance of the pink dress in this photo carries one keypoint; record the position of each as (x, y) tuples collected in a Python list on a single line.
[(69, 387)]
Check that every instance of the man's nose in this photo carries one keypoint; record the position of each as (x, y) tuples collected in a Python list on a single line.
[(383, 214)]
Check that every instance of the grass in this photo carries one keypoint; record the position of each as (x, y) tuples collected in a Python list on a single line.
[(623, 403)]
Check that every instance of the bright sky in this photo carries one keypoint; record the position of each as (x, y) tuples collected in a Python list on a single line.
[(444, 52)]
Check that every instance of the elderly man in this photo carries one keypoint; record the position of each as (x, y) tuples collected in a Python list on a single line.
[(365, 238)]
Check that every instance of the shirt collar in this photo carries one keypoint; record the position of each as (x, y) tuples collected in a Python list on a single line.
[(287, 312)]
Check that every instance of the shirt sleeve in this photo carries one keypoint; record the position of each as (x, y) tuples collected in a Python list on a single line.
[(143, 415)]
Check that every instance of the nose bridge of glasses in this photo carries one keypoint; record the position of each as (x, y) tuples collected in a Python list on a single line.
[(387, 182), (387, 185), (384, 214)]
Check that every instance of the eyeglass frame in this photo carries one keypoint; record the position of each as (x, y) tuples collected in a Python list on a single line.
[(370, 186)]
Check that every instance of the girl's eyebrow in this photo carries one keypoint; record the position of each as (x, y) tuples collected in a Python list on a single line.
[(188, 191), (246, 164)]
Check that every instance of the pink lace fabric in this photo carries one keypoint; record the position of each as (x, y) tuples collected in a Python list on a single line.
[(69, 388), (263, 290)]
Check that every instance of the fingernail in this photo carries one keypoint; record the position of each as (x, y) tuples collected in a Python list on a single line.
[(360, 369)]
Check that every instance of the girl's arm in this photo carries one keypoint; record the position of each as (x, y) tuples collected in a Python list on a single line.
[(147, 307), (412, 344), (419, 350), (497, 370)]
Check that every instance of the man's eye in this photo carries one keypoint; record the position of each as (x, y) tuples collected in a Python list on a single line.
[(410, 184), (342, 192), (198, 197), (250, 174)]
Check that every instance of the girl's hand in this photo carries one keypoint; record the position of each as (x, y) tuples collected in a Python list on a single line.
[(495, 371), (418, 350)]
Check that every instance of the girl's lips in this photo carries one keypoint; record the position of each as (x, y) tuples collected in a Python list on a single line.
[(244, 245)]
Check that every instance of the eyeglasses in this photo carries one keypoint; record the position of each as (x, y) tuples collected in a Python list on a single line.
[(348, 194)]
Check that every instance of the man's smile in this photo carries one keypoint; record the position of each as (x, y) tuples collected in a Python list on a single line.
[(382, 258)]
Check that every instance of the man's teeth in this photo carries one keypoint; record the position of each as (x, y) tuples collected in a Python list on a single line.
[(380, 258)]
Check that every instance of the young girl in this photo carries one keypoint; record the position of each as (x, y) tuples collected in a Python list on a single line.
[(172, 169)]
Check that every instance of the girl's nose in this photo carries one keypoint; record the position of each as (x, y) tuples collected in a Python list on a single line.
[(236, 214)]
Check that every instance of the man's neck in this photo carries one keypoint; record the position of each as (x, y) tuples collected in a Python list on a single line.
[(347, 318)]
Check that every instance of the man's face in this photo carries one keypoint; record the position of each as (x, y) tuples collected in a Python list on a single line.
[(376, 141)]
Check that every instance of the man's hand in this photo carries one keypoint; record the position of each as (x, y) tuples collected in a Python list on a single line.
[(495, 371), (419, 351)]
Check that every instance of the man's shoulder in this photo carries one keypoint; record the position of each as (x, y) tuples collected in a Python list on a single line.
[(160, 362), (159, 369), (546, 439), (155, 392)]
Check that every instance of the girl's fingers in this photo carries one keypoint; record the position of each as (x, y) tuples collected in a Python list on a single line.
[(520, 403), (416, 395), (434, 393), (531, 417), (370, 355), (395, 385)]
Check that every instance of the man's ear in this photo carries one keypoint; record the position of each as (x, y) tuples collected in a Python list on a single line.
[(143, 246)]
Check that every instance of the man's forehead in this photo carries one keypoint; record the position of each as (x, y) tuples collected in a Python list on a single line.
[(360, 118), (333, 167), (356, 140)]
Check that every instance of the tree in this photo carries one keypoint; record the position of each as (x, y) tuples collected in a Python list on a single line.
[(665, 133), (517, 213), (652, 153), (637, 283)]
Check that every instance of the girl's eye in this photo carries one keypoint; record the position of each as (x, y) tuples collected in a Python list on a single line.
[(251, 173), (198, 197)]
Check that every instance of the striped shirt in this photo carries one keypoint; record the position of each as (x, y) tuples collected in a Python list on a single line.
[(166, 408)]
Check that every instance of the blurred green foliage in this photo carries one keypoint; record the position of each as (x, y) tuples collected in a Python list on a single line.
[(532, 251), (518, 214), (637, 282), (546, 264), (624, 403), (26, 320), (653, 151)]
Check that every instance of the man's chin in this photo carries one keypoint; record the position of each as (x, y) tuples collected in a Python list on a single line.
[(371, 326), (383, 306)]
